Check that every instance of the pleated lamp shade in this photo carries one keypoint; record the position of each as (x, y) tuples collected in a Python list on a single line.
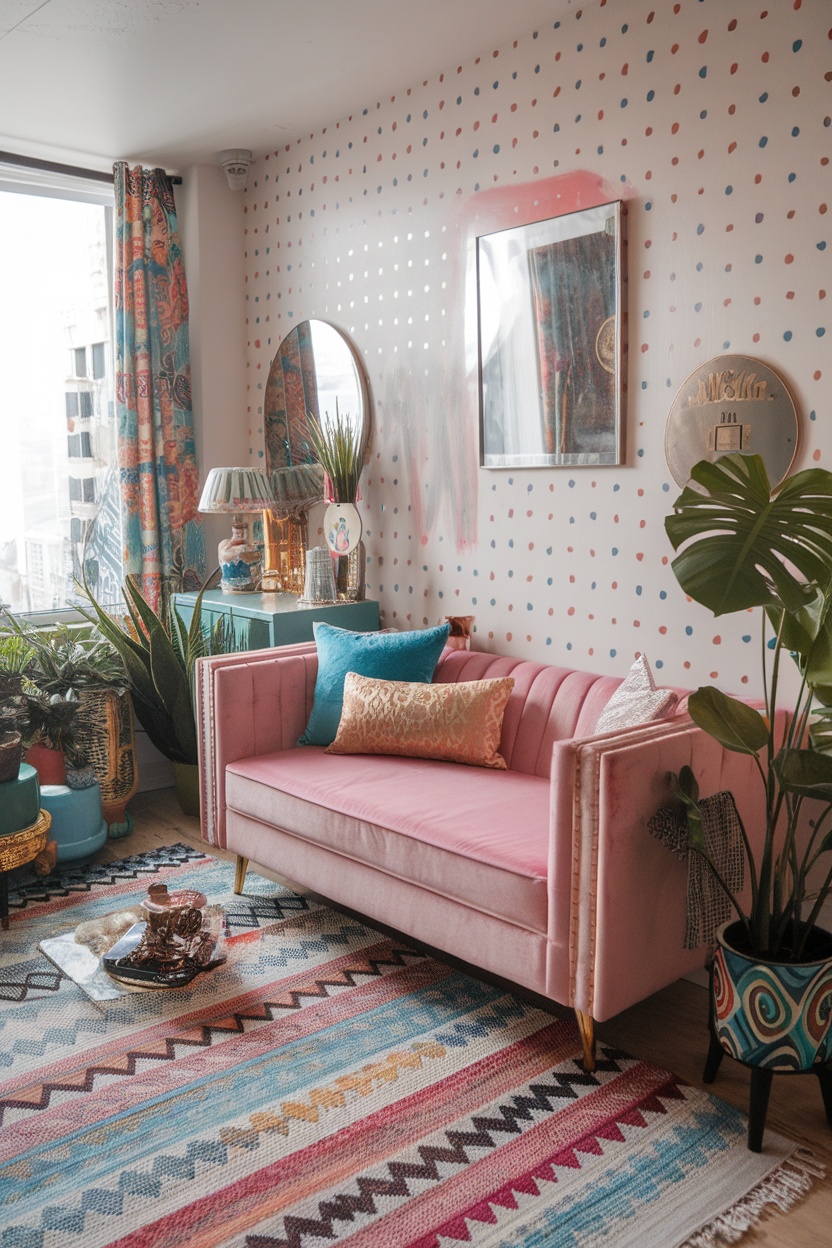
[(236, 490)]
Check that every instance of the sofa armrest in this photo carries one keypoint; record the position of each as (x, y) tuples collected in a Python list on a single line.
[(247, 704), (617, 896)]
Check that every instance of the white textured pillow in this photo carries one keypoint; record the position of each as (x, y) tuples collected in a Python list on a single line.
[(636, 700)]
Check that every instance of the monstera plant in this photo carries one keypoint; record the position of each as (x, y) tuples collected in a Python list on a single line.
[(742, 545)]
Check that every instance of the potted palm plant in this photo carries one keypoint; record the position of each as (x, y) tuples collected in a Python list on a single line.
[(742, 545)]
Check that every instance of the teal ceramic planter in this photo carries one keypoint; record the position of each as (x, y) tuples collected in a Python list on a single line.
[(774, 1015)]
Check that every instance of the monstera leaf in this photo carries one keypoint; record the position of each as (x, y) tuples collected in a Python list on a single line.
[(734, 724), (807, 633), (744, 547)]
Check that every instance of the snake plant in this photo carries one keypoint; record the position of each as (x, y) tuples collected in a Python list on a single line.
[(159, 662)]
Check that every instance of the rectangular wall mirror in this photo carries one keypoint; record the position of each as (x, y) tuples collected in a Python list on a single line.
[(550, 309)]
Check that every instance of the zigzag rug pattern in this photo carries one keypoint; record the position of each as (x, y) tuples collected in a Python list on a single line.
[(328, 1085)]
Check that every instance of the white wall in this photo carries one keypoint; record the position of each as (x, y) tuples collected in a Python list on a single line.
[(712, 120), (211, 219)]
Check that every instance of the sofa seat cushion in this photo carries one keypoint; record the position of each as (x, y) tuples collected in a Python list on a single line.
[(479, 837)]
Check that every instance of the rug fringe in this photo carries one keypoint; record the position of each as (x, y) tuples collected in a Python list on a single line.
[(782, 1189)]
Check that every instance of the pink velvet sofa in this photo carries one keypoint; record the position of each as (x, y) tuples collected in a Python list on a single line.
[(544, 874)]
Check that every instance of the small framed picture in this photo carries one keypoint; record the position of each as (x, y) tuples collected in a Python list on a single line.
[(551, 341)]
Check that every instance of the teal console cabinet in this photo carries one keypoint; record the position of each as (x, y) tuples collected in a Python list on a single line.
[(263, 620)]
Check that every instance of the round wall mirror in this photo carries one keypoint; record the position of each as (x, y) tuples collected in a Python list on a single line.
[(316, 370)]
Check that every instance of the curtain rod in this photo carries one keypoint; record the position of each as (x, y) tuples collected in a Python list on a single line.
[(51, 166)]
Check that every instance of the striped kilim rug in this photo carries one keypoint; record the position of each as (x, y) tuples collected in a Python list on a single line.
[(329, 1085)]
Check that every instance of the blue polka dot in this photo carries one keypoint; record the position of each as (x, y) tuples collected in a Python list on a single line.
[(820, 331), (763, 141), (703, 73), (788, 335), (663, 594), (639, 590), (612, 654), (688, 630)]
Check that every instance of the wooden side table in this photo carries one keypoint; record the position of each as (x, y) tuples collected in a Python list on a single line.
[(16, 850), (263, 620)]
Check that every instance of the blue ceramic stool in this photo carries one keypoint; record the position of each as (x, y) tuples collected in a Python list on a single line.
[(78, 825)]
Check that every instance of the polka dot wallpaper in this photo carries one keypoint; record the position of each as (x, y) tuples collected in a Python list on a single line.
[(711, 119)]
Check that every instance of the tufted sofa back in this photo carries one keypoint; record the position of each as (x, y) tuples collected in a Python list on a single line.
[(547, 704)]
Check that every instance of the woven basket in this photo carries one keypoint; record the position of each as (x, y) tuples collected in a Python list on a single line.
[(106, 735), (20, 847)]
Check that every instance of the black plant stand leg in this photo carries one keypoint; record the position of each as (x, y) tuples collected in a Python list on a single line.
[(824, 1075), (760, 1089), (715, 1056)]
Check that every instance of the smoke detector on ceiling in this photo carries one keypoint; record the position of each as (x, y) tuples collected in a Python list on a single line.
[(236, 161)]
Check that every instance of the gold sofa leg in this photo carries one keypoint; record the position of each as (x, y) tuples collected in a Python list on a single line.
[(240, 875), (586, 1026)]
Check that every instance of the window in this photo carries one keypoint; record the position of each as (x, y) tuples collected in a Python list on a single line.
[(56, 390)]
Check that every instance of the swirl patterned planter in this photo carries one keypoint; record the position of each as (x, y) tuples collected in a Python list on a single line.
[(772, 1015)]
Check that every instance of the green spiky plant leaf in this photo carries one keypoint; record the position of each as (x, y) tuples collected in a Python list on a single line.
[(337, 444), (160, 659)]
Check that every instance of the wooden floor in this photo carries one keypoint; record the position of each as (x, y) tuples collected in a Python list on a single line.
[(669, 1030)]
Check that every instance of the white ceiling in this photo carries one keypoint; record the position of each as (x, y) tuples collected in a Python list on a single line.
[(174, 82)]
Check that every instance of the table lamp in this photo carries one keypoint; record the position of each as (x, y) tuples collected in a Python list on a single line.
[(238, 491)]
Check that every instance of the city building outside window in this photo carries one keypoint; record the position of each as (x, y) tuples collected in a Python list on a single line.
[(57, 416)]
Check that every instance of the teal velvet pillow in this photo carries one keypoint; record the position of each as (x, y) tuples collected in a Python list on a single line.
[(384, 656)]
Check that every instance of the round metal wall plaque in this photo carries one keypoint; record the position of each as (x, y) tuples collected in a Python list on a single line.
[(732, 403)]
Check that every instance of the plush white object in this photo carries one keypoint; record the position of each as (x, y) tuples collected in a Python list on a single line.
[(636, 700)]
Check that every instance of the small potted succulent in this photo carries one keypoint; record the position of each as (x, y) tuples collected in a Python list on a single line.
[(742, 545), (15, 655)]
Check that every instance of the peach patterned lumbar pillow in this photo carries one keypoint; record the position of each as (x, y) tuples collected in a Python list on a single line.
[(457, 723)]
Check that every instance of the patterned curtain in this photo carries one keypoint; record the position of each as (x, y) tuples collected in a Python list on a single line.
[(164, 546)]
